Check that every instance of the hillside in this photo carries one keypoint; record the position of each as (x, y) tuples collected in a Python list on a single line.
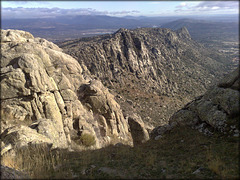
[(58, 28), (67, 27), (153, 70)]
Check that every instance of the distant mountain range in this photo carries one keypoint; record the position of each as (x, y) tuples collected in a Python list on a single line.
[(72, 27)]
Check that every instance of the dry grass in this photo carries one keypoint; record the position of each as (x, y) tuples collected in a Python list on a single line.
[(177, 155), (9, 160), (169, 157), (222, 159), (36, 160), (216, 165)]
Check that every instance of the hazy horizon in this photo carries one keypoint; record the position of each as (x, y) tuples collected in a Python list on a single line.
[(51, 9)]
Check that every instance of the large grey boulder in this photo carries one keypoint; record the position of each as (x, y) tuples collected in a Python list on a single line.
[(138, 130)]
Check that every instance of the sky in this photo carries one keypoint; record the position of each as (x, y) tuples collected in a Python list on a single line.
[(37, 9)]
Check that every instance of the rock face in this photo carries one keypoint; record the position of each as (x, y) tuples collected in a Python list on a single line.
[(19, 136), (46, 97), (216, 110), (107, 112), (155, 61)]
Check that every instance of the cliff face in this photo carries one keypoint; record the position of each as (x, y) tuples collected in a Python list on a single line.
[(166, 65), (47, 98)]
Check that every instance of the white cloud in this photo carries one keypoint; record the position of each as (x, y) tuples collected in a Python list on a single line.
[(209, 7), (186, 4), (215, 7), (183, 4)]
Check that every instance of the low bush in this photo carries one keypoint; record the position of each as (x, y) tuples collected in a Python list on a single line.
[(87, 140)]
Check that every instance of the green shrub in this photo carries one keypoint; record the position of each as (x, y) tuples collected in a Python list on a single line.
[(87, 140)]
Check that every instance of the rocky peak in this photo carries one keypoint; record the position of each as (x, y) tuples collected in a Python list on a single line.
[(183, 33), (121, 30)]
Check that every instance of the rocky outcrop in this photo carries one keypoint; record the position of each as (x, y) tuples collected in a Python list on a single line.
[(150, 61), (20, 136), (138, 130), (217, 110), (46, 97), (105, 109)]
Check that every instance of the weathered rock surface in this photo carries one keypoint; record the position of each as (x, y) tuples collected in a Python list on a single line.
[(46, 97), (216, 110), (105, 109), (157, 69), (20, 136)]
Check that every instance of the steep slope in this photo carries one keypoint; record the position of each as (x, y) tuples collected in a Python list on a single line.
[(156, 69), (46, 98)]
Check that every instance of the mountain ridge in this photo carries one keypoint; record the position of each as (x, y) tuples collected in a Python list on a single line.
[(156, 60)]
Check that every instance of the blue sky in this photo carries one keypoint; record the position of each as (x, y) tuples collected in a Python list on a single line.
[(24, 9)]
